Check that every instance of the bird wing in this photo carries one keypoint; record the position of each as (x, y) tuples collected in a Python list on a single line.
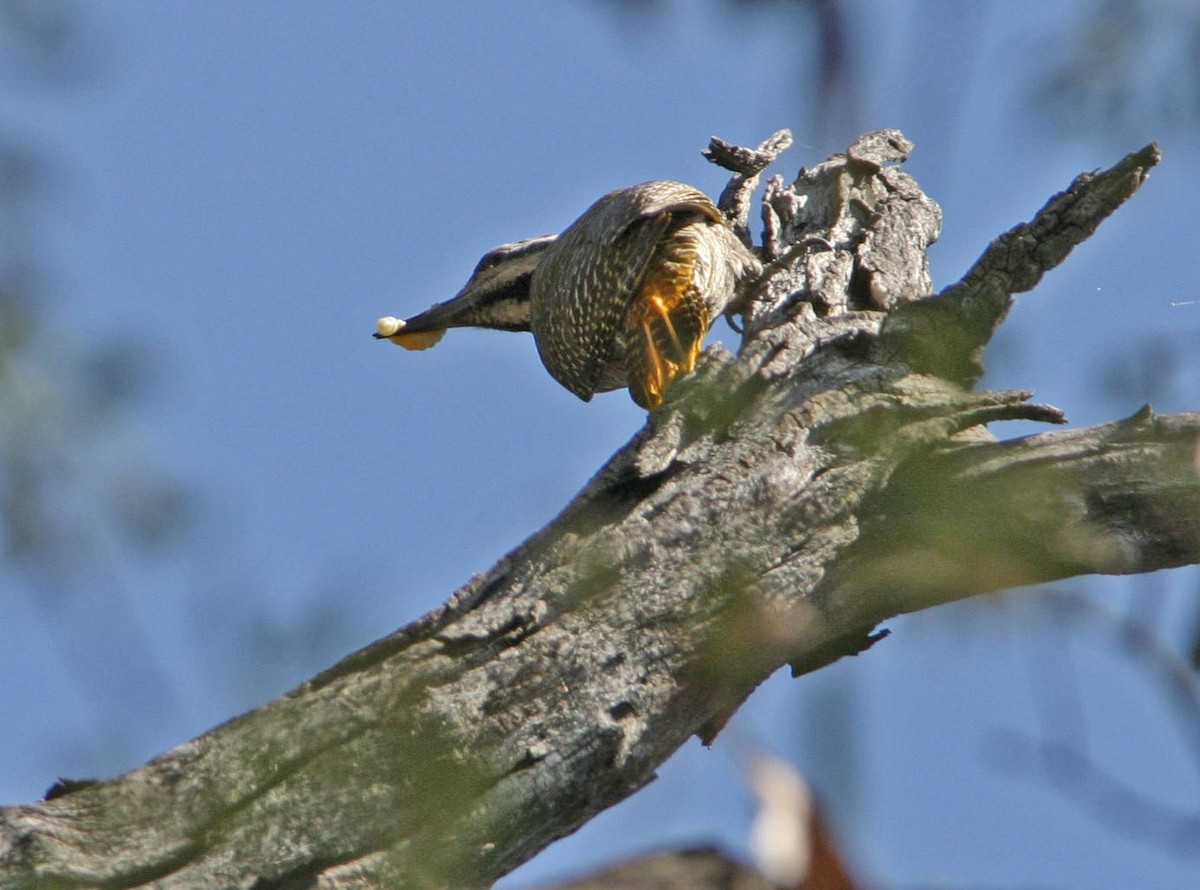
[(590, 277), (663, 196)]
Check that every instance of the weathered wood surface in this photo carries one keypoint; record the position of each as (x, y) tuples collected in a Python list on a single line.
[(775, 510)]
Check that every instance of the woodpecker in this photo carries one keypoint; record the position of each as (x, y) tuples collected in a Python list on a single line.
[(623, 297)]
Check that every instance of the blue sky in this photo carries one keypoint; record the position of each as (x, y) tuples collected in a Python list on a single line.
[(246, 187)]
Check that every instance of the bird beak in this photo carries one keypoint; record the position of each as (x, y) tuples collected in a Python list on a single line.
[(398, 331), (426, 328), (497, 296)]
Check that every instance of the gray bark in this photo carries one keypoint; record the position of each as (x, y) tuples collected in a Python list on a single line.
[(773, 511)]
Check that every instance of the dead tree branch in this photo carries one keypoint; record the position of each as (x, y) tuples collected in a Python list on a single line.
[(773, 511)]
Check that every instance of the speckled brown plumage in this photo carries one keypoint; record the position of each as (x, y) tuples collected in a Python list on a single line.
[(626, 294)]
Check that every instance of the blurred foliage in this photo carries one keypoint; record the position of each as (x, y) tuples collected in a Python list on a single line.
[(1158, 367), (74, 465), (823, 82), (42, 41), (1123, 66), (1117, 67), (90, 507)]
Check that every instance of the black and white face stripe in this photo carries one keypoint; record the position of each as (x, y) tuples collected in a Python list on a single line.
[(497, 294), (512, 259)]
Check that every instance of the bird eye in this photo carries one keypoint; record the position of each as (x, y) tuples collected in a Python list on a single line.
[(489, 260)]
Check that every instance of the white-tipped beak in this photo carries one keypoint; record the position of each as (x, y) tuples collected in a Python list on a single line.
[(388, 326)]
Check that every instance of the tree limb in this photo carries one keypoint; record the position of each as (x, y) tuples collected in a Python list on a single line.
[(1116, 499), (946, 335), (747, 165), (773, 511)]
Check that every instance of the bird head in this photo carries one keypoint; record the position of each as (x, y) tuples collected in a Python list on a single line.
[(495, 296)]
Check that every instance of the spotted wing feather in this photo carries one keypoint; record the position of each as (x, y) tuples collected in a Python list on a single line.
[(588, 279)]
